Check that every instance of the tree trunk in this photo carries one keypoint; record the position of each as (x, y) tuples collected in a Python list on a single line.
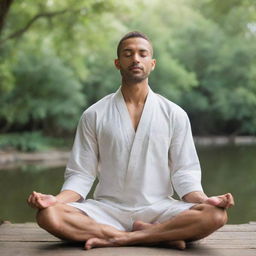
[(4, 8)]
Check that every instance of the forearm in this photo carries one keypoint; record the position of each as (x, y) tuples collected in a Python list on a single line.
[(68, 196), (195, 197)]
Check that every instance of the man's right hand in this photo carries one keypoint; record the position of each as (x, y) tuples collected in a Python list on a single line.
[(41, 201)]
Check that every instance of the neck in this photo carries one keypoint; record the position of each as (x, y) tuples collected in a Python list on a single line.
[(135, 93)]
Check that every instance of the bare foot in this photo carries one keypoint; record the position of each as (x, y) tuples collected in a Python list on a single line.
[(119, 239), (107, 239), (140, 225), (127, 238), (98, 242), (181, 245)]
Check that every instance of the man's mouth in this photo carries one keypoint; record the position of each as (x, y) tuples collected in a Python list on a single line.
[(135, 68)]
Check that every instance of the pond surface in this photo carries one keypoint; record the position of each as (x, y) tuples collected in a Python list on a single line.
[(225, 169)]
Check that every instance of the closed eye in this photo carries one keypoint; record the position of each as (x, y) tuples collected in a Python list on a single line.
[(144, 53)]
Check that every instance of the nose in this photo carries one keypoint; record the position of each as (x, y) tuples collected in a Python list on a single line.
[(135, 58)]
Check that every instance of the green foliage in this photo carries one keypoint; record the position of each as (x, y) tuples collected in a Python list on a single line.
[(46, 94), (28, 141), (62, 63), (6, 77)]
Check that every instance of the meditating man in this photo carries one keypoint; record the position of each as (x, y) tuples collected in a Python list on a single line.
[(140, 147)]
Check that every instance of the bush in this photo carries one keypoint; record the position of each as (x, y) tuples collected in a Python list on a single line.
[(46, 95), (28, 142)]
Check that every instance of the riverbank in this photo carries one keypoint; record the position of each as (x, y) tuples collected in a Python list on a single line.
[(50, 158), (57, 157), (225, 140)]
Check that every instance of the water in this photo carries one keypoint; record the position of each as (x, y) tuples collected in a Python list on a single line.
[(225, 169), (231, 169)]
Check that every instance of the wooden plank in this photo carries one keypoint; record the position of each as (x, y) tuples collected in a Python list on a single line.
[(25, 233), (31, 232), (239, 227), (238, 243), (56, 249), (37, 234), (232, 235), (224, 252), (28, 239), (53, 249)]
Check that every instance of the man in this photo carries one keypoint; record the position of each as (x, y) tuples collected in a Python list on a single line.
[(140, 147)]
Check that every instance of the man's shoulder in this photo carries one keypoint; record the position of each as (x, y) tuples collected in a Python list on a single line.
[(170, 106), (98, 107), (100, 104)]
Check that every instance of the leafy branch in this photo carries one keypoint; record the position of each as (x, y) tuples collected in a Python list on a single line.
[(21, 31)]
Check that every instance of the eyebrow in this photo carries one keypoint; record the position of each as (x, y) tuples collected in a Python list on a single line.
[(130, 50)]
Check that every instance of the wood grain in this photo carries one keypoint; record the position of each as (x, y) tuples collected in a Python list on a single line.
[(29, 239)]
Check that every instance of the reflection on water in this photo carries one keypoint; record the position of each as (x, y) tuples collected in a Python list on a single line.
[(225, 169)]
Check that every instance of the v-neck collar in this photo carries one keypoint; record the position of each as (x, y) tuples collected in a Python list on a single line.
[(126, 119)]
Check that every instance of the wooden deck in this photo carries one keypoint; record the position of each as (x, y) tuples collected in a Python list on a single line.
[(28, 239)]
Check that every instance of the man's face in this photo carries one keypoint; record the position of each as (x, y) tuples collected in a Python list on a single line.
[(135, 60)]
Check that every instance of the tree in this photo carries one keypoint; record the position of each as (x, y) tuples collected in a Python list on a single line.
[(47, 95), (4, 8), (205, 53)]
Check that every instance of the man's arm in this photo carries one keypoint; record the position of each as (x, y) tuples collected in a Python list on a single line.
[(68, 196), (195, 197), (80, 171), (183, 159), (83, 162), (186, 171)]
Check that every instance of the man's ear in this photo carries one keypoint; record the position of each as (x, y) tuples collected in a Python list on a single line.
[(117, 64), (153, 64)]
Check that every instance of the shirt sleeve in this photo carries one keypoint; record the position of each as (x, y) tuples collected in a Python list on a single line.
[(183, 159), (83, 162)]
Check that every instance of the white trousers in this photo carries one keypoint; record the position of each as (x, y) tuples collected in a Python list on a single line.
[(104, 213)]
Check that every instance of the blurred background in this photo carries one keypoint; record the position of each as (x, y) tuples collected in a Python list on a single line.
[(56, 59)]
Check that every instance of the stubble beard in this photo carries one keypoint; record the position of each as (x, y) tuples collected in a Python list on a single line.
[(130, 78)]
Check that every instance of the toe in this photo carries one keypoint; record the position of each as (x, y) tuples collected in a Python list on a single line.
[(97, 242)]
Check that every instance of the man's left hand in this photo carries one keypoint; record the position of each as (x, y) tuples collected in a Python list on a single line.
[(223, 201)]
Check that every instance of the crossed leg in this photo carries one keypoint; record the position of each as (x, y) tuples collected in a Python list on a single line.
[(194, 224), (69, 223)]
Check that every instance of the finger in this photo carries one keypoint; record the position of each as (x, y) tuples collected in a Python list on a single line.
[(34, 195), (38, 202), (218, 201), (31, 202), (37, 195), (42, 202), (230, 200), (34, 200), (29, 199), (226, 201), (214, 200)]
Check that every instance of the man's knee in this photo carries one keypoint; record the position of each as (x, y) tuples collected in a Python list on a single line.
[(49, 218), (214, 216)]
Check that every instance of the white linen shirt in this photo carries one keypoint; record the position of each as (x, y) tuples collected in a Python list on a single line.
[(134, 168)]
